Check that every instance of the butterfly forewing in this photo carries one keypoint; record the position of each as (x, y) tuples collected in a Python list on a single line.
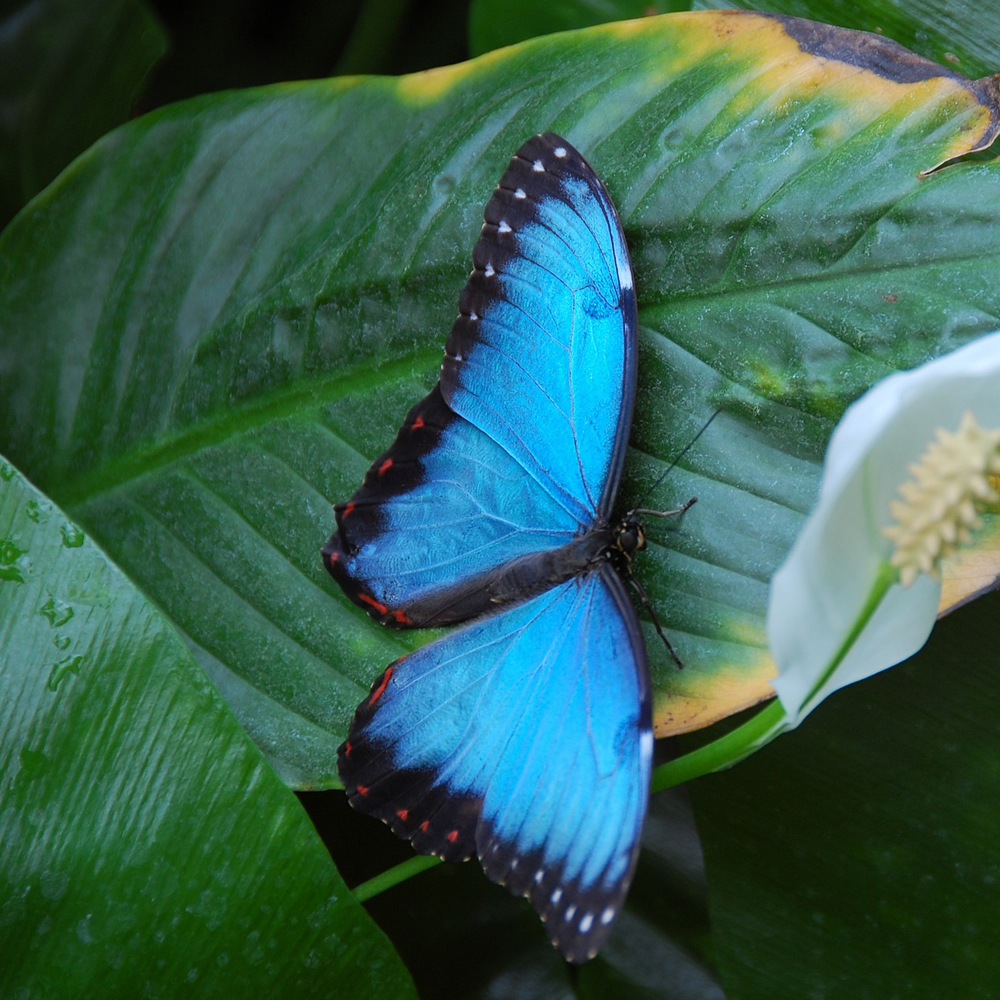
[(439, 512), (550, 304)]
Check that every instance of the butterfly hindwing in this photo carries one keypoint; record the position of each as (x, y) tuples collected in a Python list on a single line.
[(524, 737), (520, 446)]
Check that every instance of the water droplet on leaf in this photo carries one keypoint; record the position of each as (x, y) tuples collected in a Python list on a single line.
[(72, 536), (60, 670), (58, 612), (33, 765), (36, 511), (11, 561)]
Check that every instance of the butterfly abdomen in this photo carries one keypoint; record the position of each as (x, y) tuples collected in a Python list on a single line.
[(533, 574)]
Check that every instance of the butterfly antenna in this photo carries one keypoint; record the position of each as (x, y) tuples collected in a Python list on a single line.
[(648, 605), (669, 469)]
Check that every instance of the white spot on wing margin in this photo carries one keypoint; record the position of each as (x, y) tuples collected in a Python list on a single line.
[(624, 273)]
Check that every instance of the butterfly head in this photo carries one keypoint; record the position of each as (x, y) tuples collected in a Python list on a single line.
[(629, 538)]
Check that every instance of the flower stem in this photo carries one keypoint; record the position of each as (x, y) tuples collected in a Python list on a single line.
[(723, 752), (715, 756), (887, 575), (387, 879), (766, 724)]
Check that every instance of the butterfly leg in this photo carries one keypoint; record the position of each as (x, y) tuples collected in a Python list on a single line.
[(648, 605), (643, 596)]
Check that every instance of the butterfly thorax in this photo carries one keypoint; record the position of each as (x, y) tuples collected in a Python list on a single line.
[(628, 539)]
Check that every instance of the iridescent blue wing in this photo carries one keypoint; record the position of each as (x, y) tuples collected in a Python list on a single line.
[(524, 737), (436, 515), (543, 354), (521, 444)]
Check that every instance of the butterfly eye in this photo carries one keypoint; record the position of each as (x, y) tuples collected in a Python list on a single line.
[(631, 537)]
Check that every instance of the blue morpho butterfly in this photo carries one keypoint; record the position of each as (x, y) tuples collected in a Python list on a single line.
[(526, 736)]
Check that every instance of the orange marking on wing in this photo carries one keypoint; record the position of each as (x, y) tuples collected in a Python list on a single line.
[(423, 826), (401, 617), (453, 836), (403, 814), (385, 466), (362, 789), (417, 424), (371, 602), (347, 510), (380, 690)]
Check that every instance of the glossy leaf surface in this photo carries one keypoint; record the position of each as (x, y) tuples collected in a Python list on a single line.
[(148, 847), (960, 34)]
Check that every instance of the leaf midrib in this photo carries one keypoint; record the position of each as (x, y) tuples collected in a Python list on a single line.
[(287, 402), (226, 423)]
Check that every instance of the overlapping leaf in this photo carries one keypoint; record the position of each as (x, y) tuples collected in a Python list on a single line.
[(217, 317), (495, 23), (148, 849)]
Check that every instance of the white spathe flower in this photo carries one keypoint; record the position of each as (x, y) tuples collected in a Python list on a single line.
[(829, 616)]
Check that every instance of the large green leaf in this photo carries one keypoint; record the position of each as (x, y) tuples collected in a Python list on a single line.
[(69, 71), (857, 858), (148, 849), (213, 322), (961, 34)]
